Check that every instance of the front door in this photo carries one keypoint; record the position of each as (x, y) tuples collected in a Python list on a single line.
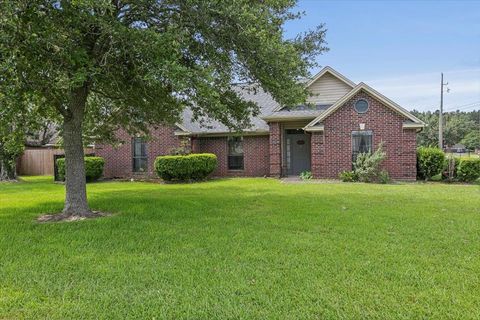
[(297, 151)]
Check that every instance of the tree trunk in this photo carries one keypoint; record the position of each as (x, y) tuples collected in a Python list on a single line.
[(8, 172), (8, 168), (75, 181)]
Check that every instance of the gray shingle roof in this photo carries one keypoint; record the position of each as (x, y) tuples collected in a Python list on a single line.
[(264, 100), (267, 110)]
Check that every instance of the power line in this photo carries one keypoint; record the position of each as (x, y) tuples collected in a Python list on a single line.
[(464, 106)]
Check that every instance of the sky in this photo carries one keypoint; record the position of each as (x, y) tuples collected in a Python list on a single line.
[(400, 47)]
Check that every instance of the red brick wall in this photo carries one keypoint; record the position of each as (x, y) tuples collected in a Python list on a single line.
[(334, 154), (118, 160), (275, 149), (331, 150), (255, 150)]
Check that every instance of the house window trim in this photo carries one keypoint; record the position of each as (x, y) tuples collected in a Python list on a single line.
[(228, 155), (355, 106), (372, 148), (139, 157)]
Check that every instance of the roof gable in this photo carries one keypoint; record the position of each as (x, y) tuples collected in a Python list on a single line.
[(333, 72), (362, 86), (326, 87)]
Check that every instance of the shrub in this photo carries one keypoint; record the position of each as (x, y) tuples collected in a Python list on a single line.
[(306, 175), (430, 162), (187, 167), (367, 166), (468, 169), (348, 176), (449, 169), (93, 168), (383, 177)]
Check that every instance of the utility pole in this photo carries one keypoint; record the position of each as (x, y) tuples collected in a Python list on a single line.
[(440, 116)]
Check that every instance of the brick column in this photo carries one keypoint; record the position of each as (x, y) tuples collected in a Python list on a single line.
[(275, 150), (317, 148)]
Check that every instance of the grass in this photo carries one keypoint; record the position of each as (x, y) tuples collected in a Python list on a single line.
[(242, 249)]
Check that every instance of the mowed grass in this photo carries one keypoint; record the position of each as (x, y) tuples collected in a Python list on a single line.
[(242, 249)]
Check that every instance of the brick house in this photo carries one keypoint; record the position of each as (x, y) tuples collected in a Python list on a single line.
[(341, 120)]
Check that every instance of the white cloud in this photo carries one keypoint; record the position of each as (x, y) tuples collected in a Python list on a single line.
[(422, 91)]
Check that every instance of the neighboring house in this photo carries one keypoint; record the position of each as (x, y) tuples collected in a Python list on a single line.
[(341, 120)]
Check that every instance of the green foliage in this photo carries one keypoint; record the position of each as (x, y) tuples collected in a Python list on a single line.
[(159, 56), (93, 168), (384, 177), (367, 165), (348, 176), (185, 167), (306, 175), (430, 162), (183, 149), (472, 140), (449, 169), (458, 125), (468, 169)]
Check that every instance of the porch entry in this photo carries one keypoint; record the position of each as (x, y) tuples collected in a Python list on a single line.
[(297, 151)]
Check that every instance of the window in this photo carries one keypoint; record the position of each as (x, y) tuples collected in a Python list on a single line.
[(361, 106), (235, 153), (361, 143), (139, 154)]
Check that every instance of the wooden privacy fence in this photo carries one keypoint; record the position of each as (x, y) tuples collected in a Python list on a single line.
[(40, 161)]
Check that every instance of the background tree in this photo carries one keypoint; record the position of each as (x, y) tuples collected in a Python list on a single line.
[(458, 125), (139, 63), (472, 140), (19, 118)]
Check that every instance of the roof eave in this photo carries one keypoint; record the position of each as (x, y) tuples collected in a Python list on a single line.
[(222, 134), (318, 128), (291, 118)]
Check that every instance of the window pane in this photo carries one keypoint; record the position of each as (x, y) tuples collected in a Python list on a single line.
[(361, 143), (139, 154), (361, 106), (235, 153), (235, 162)]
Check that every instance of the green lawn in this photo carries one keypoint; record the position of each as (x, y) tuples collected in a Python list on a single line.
[(242, 249)]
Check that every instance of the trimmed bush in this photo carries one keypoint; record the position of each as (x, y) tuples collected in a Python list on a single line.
[(468, 169), (430, 162), (93, 168), (185, 168)]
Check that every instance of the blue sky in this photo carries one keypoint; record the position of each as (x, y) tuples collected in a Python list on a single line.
[(400, 47)]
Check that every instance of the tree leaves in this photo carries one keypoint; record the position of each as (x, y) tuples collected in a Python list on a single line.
[(144, 61)]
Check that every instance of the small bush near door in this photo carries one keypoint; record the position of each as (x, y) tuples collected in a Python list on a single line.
[(93, 168), (306, 175), (185, 168)]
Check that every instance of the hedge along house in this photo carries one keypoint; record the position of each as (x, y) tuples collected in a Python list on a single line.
[(340, 120)]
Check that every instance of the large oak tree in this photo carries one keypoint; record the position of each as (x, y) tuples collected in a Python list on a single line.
[(135, 64)]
